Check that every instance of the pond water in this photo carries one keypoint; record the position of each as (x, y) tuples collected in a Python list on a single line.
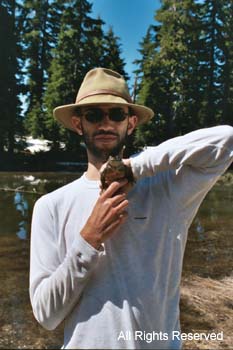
[(209, 251)]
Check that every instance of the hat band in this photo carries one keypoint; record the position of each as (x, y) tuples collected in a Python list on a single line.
[(106, 92)]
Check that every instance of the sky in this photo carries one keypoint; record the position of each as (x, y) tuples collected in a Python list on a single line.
[(130, 20)]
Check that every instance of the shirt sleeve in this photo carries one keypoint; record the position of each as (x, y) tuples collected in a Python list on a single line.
[(55, 284), (210, 150), (190, 165)]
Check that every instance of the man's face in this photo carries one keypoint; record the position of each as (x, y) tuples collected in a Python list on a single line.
[(104, 131)]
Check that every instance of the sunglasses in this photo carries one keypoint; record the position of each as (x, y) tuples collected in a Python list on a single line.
[(96, 115)]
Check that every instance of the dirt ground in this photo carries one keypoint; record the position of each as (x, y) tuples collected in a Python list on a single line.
[(207, 306)]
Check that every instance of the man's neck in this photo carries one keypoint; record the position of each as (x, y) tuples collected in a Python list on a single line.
[(94, 165), (93, 171)]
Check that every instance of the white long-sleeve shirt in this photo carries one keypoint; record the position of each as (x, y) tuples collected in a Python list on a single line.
[(115, 297)]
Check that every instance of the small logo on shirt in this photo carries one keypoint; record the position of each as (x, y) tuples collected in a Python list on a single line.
[(140, 217)]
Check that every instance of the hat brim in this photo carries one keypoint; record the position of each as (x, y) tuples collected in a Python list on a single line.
[(64, 113)]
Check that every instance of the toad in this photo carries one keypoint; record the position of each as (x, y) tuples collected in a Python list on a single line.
[(114, 170)]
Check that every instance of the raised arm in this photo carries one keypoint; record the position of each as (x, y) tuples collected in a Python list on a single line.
[(210, 150)]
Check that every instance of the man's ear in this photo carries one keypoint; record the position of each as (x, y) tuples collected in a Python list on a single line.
[(133, 119), (76, 123)]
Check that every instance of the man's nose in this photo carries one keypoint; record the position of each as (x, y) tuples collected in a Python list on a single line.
[(105, 120)]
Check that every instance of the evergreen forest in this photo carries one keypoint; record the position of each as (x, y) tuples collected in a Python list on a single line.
[(184, 73)]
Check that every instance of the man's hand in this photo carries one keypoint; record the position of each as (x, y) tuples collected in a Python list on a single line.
[(107, 215)]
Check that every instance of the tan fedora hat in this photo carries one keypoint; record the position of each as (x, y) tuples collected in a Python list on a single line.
[(102, 86)]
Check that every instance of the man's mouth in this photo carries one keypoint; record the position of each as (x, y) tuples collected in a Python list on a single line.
[(105, 137)]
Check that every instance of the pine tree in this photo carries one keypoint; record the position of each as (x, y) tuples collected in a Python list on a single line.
[(82, 46), (69, 64), (171, 79), (148, 90), (186, 68), (10, 122), (225, 40), (41, 25), (211, 66), (112, 53), (182, 48)]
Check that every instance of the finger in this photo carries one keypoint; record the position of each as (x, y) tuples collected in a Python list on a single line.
[(117, 199), (121, 207), (112, 227), (114, 187), (114, 212)]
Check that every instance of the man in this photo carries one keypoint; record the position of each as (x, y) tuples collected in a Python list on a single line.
[(110, 263)]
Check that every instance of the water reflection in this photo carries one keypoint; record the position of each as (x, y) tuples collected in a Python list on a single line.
[(199, 229), (18, 193), (209, 250), (21, 205)]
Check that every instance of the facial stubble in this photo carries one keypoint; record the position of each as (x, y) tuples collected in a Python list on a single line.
[(102, 154)]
